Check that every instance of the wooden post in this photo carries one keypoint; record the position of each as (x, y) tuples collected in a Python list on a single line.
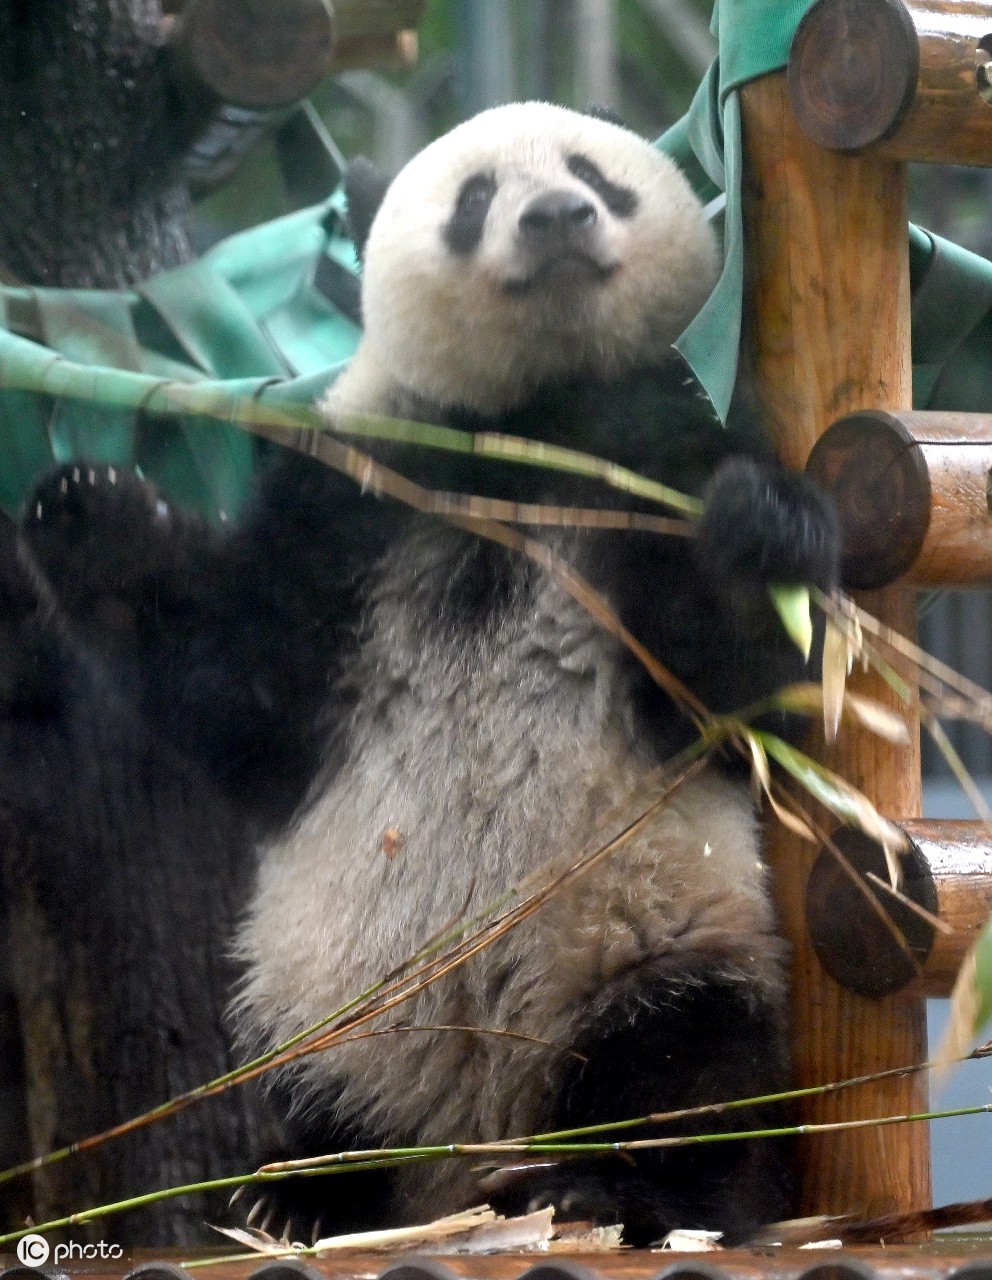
[(828, 318)]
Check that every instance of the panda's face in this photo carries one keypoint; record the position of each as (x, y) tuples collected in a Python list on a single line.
[(526, 246)]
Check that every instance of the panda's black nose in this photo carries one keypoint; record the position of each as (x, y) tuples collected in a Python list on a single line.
[(556, 217)]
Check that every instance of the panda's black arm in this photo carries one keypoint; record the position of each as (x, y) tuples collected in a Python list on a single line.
[(703, 607), (291, 585), (226, 643), (764, 525)]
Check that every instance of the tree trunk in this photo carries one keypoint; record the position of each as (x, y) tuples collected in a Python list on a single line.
[(89, 145), (114, 1013)]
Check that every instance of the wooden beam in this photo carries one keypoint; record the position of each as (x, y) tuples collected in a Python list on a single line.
[(828, 328), (913, 78), (913, 492), (947, 871), (257, 54)]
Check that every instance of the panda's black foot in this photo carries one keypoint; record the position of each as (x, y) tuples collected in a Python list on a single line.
[(302, 1210), (765, 525), (610, 1192), (277, 1212), (595, 1192), (106, 508)]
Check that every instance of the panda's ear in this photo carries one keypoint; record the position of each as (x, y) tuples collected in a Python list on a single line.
[(609, 114), (365, 185)]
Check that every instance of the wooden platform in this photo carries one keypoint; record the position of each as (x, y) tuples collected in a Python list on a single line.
[(953, 1257)]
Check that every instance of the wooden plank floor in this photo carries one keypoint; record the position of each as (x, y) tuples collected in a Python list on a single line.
[(947, 1257)]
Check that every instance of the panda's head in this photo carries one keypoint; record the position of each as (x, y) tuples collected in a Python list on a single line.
[(528, 245)]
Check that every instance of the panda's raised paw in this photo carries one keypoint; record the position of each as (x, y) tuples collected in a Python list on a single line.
[(85, 496), (763, 524)]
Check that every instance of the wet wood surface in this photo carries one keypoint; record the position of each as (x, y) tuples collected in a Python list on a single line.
[(913, 493), (947, 872), (828, 301), (960, 858), (914, 79), (930, 1262)]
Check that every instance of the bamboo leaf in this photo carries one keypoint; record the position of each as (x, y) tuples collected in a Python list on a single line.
[(971, 1002), (877, 717), (810, 699), (836, 666), (793, 607), (759, 762), (837, 795), (791, 820)]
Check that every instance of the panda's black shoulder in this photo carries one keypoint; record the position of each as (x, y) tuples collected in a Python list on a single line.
[(654, 420)]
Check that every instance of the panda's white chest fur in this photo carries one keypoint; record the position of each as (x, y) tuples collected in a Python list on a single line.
[(471, 766)]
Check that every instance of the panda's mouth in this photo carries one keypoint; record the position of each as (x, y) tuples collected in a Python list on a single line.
[(573, 269)]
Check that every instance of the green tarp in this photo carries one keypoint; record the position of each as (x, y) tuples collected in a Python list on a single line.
[(249, 309)]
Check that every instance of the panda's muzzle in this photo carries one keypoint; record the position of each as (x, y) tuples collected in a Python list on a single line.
[(558, 235)]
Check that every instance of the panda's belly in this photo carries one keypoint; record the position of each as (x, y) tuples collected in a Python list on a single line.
[(469, 772)]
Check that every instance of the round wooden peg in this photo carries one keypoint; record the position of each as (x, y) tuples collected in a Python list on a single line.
[(866, 939), (257, 54), (853, 70)]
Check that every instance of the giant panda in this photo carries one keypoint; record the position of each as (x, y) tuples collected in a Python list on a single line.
[(527, 273), (445, 721)]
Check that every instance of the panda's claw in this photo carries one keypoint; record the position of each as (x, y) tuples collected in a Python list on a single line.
[(255, 1210)]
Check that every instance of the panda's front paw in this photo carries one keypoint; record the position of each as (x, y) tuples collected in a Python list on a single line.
[(80, 498), (97, 529), (763, 524)]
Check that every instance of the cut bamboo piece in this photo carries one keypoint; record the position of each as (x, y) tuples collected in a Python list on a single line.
[(915, 79), (912, 490), (828, 318), (947, 871)]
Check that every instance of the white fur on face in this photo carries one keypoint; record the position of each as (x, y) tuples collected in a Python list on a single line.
[(444, 327)]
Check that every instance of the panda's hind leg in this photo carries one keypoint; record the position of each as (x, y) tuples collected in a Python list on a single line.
[(663, 1038)]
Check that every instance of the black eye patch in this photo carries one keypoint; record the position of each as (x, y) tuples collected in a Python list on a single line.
[(619, 200), (463, 232)]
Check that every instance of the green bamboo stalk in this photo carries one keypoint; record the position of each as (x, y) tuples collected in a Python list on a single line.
[(360, 1160), (516, 449), (249, 1069), (26, 367)]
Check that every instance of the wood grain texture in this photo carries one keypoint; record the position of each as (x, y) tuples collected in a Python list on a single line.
[(960, 858), (828, 308), (261, 54), (949, 120), (912, 490), (391, 51), (909, 78), (853, 70)]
